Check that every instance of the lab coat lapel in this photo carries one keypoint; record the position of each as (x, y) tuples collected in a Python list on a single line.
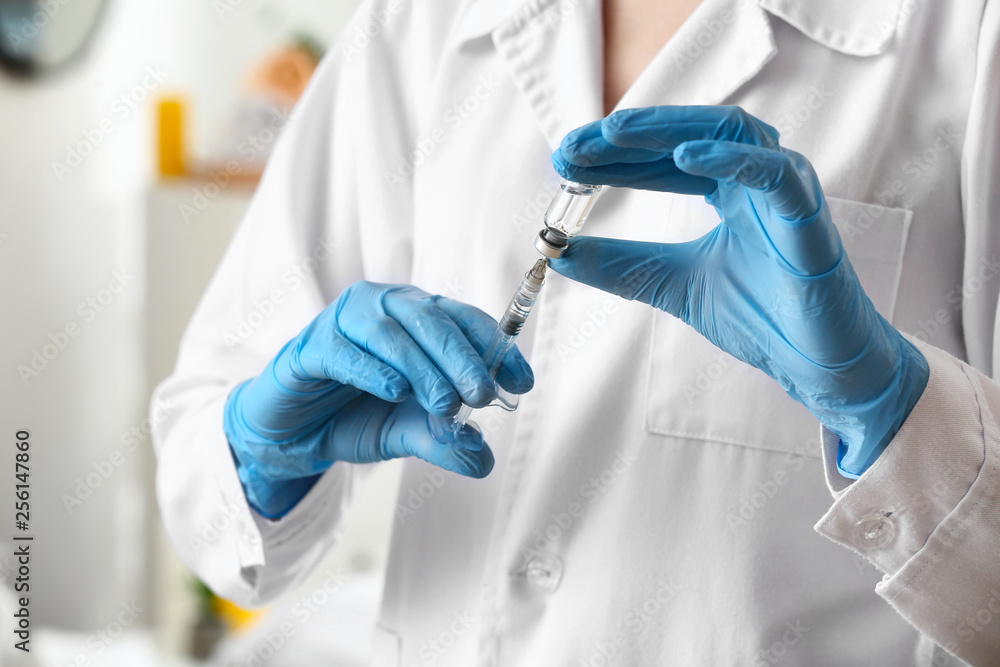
[(553, 50), (854, 27), (725, 43), (553, 54)]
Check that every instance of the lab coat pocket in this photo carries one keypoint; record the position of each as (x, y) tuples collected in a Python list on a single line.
[(386, 647), (697, 391)]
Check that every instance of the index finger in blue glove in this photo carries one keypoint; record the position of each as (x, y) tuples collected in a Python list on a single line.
[(333, 357), (664, 128), (586, 147), (443, 341), (515, 374), (661, 175), (802, 232), (385, 339)]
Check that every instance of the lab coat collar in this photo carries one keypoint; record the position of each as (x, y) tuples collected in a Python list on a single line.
[(853, 27), (483, 16), (552, 49)]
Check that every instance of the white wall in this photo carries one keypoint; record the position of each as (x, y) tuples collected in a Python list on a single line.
[(65, 238), (62, 237), (228, 41)]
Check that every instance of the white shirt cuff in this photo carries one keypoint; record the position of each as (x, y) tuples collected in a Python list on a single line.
[(925, 513)]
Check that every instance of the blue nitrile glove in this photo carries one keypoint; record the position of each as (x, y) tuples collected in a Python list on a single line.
[(356, 386), (770, 285)]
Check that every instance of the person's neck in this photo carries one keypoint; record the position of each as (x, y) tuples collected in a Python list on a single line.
[(634, 32)]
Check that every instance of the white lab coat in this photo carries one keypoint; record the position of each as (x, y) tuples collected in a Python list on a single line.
[(653, 501)]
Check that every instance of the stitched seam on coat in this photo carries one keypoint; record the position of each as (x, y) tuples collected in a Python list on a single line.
[(723, 440)]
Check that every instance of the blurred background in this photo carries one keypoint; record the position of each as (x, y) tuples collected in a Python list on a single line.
[(132, 135)]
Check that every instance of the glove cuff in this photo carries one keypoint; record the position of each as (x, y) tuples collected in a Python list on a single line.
[(270, 498), (888, 413)]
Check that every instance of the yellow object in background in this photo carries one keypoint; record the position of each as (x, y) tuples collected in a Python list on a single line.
[(236, 619), (170, 131)]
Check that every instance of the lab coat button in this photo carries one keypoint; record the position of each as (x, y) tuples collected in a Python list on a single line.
[(875, 529), (249, 537), (544, 572)]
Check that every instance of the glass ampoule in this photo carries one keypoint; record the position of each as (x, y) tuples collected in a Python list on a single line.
[(566, 216)]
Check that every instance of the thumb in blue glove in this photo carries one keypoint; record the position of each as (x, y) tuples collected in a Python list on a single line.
[(771, 284)]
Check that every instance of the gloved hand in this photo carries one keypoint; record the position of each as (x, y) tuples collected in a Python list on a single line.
[(771, 284), (356, 386)]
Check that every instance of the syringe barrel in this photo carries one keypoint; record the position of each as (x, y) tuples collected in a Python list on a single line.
[(524, 299)]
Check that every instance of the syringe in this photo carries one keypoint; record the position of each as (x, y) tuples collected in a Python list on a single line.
[(497, 349), (564, 219)]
